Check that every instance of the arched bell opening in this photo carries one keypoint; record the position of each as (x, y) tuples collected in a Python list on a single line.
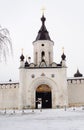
[(43, 56)]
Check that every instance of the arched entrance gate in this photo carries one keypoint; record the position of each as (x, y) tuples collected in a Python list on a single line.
[(44, 95)]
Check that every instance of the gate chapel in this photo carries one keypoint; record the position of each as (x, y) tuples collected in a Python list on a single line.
[(43, 80)]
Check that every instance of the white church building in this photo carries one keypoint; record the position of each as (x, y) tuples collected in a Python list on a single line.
[(44, 82)]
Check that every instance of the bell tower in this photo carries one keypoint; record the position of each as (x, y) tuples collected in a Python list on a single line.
[(43, 46), (43, 79)]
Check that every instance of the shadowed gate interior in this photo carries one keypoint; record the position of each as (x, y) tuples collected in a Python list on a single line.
[(43, 96)]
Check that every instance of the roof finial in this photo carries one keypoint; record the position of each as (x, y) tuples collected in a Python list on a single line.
[(43, 33), (22, 50), (43, 18), (22, 56), (43, 10), (63, 49), (63, 55)]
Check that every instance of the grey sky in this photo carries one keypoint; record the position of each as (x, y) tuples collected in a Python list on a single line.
[(64, 21)]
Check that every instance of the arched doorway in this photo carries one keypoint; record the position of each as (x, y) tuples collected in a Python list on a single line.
[(43, 96)]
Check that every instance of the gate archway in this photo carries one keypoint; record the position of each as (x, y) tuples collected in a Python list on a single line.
[(43, 96)]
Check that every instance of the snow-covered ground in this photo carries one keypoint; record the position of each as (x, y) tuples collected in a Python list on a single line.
[(48, 119)]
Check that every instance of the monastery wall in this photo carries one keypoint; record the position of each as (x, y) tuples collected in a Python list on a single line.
[(76, 92), (9, 92), (9, 95)]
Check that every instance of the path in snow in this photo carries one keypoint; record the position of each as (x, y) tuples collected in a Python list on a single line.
[(48, 119)]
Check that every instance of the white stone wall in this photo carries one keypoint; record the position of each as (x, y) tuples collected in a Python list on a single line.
[(76, 92), (9, 96), (15, 95), (47, 48)]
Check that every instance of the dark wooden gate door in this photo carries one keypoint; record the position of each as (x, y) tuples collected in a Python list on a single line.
[(44, 96)]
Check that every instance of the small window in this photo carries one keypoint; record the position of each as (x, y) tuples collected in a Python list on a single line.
[(42, 45), (33, 76), (14, 86), (52, 75)]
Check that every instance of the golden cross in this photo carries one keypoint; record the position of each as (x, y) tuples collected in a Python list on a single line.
[(43, 10), (63, 49), (26, 57), (22, 50)]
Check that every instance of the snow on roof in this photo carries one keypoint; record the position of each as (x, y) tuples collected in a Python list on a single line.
[(75, 78), (9, 82)]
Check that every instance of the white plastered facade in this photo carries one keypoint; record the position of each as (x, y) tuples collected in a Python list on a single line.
[(58, 85)]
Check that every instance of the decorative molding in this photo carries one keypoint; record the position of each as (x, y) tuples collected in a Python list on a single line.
[(42, 74)]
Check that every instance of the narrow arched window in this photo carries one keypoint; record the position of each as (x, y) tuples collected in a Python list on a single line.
[(42, 55), (49, 58), (36, 57)]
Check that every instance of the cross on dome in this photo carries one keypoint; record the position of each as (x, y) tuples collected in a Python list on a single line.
[(43, 10), (43, 33)]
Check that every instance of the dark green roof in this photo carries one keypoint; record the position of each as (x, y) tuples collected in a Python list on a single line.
[(43, 33), (78, 74)]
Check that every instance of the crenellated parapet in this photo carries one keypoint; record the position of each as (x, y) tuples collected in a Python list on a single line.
[(9, 85), (72, 81)]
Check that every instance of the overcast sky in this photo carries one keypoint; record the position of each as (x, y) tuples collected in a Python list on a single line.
[(64, 21)]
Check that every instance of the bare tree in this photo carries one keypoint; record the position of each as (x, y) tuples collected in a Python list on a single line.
[(5, 44)]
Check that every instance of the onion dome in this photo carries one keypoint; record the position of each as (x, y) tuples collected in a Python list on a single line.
[(10, 80), (43, 33), (78, 74), (22, 57), (26, 64), (63, 56)]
